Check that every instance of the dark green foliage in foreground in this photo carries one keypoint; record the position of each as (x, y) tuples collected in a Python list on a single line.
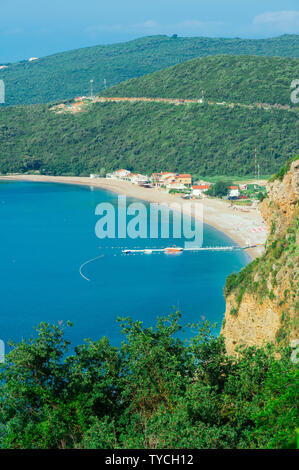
[(154, 391), (146, 137), (233, 79), (67, 74)]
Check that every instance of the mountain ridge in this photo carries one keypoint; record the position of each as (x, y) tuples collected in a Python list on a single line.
[(67, 74)]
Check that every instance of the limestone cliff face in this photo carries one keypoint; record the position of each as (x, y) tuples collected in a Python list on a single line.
[(262, 300)]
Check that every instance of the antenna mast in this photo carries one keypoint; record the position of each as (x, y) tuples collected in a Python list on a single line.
[(255, 166), (91, 89)]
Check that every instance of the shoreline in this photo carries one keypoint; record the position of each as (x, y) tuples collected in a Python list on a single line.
[(237, 224)]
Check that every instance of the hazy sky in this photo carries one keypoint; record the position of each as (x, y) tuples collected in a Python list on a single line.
[(42, 27)]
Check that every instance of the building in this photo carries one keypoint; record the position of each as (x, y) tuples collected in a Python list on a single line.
[(200, 189), (185, 179), (175, 185), (122, 174), (119, 175), (32, 59), (162, 179), (141, 180), (233, 191)]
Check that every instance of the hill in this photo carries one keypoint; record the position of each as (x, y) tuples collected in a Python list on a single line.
[(221, 78), (65, 75), (146, 137), (205, 139)]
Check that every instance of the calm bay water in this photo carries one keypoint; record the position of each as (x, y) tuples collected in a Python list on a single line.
[(48, 231)]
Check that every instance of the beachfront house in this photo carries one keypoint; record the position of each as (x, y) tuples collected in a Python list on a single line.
[(92, 176), (119, 175), (162, 179), (141, 180), (165, 178), (200, 189), (185, 179), (175, 185), (233, 191)]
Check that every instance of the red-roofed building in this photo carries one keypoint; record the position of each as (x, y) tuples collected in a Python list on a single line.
[(185, 179), (199, 189), (233, 191)]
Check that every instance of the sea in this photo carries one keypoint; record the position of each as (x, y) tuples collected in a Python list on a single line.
[(48, 232)]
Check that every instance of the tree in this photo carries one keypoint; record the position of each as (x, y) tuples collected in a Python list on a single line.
[(219, 189), (153, 391)]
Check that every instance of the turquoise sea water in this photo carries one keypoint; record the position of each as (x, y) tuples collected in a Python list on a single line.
[(48, 231)]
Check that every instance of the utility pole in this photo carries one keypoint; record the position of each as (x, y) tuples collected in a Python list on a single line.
[(91, 89), (255, 166)]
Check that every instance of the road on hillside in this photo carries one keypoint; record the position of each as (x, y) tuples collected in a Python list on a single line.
[(81, 102)]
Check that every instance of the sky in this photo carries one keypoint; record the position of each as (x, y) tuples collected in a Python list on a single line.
[(35, 28)]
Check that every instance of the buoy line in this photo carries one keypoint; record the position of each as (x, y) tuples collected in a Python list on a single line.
[(85, 264)]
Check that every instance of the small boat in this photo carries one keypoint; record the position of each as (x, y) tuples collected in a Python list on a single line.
[(148, 252), (173, 249), (127, 252)]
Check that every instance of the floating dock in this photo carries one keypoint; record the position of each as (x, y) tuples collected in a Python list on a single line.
[(175, 249)]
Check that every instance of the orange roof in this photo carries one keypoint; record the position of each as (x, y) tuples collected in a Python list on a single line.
[(234, 187), (201, 186), (184, 176)]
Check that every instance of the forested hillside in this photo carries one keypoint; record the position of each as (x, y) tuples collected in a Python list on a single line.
[(202, 139), (155, 391), (220, 78), (67, 74)]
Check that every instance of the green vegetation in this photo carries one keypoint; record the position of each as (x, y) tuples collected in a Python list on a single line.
[(232, 79), (153, 391), (253, 278), (145, 137), (283, 170), (65, 75), (219, 189)]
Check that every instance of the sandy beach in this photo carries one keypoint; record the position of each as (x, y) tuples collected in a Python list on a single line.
[(240, 225)]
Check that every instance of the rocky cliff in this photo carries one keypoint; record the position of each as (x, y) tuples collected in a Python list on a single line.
[(262, 300)]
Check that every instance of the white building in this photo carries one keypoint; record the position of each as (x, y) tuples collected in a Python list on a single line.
[(175, 185), (119, 175), (200, 189), (233, 191), (141, 180)]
